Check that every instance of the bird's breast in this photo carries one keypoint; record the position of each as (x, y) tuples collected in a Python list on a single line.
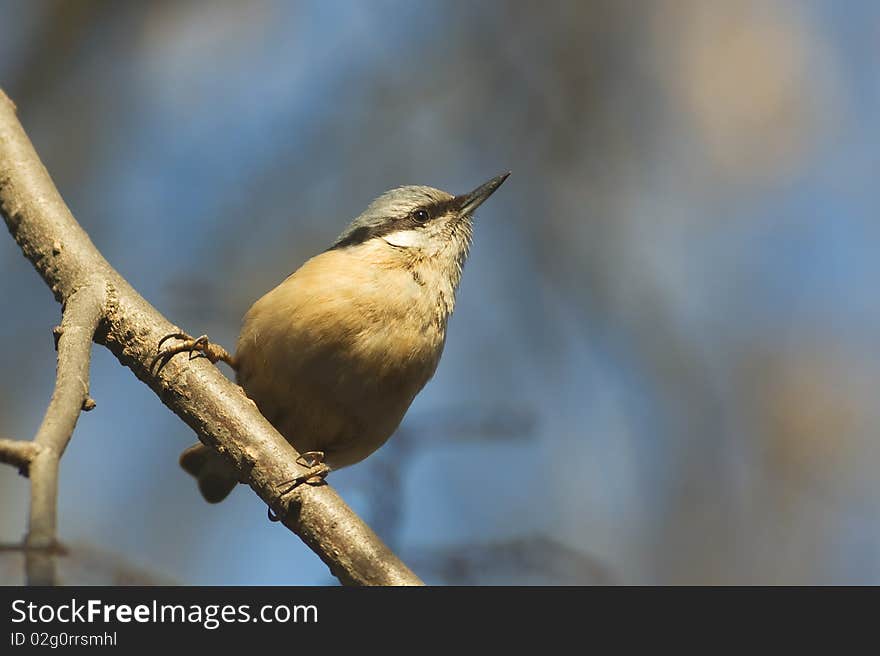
[(334, 355)]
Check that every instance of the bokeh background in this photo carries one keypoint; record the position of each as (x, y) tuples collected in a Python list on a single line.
[(664, 362)]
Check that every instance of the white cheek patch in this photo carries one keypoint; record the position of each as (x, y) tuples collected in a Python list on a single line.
[(406, 238)]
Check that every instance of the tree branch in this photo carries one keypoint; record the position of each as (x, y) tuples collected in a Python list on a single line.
[(82, 313), (196, 391), (18, 453)]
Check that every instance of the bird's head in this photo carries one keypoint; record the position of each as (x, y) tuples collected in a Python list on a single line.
[(426, 223)]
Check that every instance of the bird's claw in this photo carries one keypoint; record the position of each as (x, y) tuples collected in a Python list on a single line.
[(310, 458), (182, 336), (315, 474), (200, 347)]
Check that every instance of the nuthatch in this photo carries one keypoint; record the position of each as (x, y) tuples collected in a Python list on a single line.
[(335, 354)]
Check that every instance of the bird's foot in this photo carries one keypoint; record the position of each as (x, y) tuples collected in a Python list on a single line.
[(200, 347), (315, 474)]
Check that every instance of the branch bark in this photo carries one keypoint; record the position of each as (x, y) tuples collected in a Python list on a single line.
[(196, 391)]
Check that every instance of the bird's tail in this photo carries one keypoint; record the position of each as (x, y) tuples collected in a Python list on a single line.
[(216, 477)]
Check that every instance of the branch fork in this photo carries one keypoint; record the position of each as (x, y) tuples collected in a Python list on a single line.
[(99, 305)]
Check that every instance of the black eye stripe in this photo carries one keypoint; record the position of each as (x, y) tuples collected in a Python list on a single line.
[(434, 209), (361, 234)]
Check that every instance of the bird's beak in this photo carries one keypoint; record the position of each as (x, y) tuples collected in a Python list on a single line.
[(467, 203)]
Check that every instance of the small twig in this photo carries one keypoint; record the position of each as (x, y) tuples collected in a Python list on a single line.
[(23, 547), (82, 314), (18, 453)]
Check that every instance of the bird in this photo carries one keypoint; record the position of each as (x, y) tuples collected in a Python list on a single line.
[(335, 354)]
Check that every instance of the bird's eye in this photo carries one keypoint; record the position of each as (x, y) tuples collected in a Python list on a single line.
[(421, 216)]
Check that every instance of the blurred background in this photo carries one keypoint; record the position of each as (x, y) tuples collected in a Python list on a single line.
[(664, 362)]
